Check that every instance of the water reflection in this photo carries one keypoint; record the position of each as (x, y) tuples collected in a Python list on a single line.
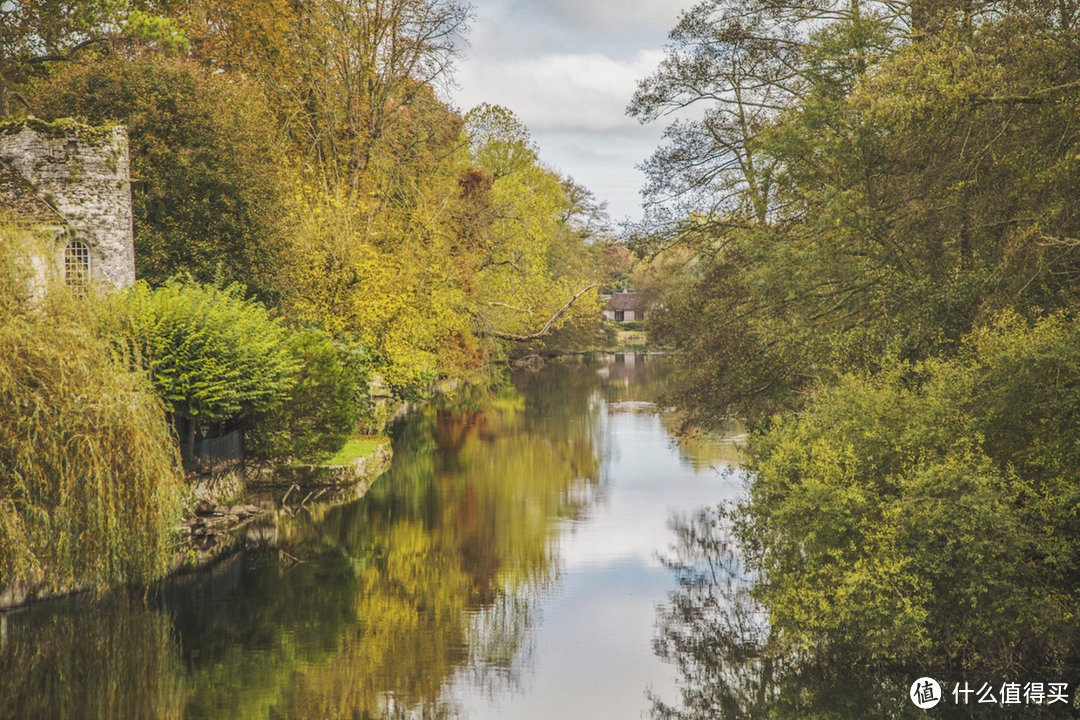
[(508, 556), (718, 639), (75, 659), (362, 610)]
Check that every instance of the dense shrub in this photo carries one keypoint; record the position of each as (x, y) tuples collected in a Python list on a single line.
[(213, 356), (221, 362), (322, 410), (926, 514)]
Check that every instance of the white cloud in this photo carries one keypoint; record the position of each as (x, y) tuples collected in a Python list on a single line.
[(622, 15), (568, 68), (559, 91), (592, 18)]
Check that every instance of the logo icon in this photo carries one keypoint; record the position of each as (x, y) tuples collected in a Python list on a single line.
[(925, 693)]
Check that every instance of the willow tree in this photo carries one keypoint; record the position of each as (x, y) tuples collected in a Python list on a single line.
[(90, 482)]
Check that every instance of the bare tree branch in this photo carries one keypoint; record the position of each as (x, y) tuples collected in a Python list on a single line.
[(547, 326)]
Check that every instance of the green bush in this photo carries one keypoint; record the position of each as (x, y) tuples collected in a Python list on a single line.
[(926, 515), (322, 409), (220, 360), (214, 357)]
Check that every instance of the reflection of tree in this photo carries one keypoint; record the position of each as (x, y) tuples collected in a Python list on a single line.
[(716, 449), (500, 641), (712, 630), (454, 548), (85, 659), (241, 649), (434, 575), (719, 640)]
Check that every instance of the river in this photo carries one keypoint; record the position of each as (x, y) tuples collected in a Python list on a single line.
[(507, 565)]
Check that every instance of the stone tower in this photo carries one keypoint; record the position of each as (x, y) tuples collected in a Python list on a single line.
[(72, 181)]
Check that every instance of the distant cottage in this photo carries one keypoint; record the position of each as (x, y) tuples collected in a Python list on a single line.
[(69, 183), (625, 306)]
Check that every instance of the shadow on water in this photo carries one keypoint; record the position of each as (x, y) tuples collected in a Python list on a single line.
[(362, 610)]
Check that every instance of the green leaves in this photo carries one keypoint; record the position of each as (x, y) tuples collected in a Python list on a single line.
[(211, 354), (923, 514), (323, 406)]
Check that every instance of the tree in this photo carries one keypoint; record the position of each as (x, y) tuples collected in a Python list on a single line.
[(532, 266), (90, 483), (889, 234), (206, 180), (340, 72), (36, 34), (907, 518)]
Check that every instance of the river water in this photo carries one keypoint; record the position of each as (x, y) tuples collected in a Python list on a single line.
[(508, 565)]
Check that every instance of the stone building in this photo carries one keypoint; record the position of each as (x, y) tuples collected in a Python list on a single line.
[(69, 183)]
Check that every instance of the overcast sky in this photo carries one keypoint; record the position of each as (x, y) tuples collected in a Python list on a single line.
[(567, 69)]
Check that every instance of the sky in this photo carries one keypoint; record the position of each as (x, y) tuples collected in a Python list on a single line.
[(567, 69)]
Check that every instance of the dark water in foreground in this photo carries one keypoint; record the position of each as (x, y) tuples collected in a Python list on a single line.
[(505, 567)]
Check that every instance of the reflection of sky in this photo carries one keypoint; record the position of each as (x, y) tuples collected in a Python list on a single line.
[(592, 656), (646, 482)]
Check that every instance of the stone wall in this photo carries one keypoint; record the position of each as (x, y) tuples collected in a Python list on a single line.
[(83, 173)]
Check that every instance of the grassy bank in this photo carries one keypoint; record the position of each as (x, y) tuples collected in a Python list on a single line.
[(356, 447)]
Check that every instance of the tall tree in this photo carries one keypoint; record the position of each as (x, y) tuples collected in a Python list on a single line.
[(532, 267), (909, 195), (206, 168), (36, 34)]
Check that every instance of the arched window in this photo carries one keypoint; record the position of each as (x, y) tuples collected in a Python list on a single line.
[(77, 266)]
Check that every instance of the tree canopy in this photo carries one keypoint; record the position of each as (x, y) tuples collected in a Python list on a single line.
[(311, 155), (863, 233)]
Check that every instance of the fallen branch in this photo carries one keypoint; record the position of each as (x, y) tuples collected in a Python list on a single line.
[(491, 263), (294, 487)]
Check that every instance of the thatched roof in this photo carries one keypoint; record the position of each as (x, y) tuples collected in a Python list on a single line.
[(626, 300), (19, 201)]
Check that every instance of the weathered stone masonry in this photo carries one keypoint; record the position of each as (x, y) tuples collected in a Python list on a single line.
[(82, 173)]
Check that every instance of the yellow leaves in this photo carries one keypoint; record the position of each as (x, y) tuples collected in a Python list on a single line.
[(928, 77), (359, 273)]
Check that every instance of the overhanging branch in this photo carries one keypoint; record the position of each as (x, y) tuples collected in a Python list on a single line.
[(547, 326)]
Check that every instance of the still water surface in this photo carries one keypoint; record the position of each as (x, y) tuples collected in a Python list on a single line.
[(506, 566)]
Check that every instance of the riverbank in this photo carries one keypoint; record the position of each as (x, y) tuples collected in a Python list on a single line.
[(508, 540), (228, 503), (224, 506)]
